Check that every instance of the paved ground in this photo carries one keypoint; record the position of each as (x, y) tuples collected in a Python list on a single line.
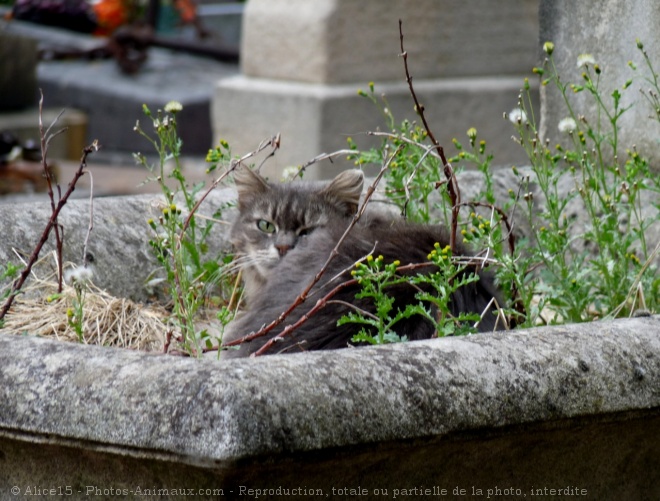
[(118, 179)]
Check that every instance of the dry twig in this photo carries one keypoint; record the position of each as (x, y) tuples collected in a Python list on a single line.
[(454, 191), (52, 222), (45, 139)]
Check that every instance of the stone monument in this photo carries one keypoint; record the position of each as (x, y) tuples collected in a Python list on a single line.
[(303, 63)]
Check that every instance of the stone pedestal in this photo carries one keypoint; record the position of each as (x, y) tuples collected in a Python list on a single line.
[(608, 31), (303, 63)]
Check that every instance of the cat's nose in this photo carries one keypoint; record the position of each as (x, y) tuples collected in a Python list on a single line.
[(283, 249)]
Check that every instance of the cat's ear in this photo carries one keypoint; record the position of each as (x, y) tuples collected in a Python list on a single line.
[(249, 184), (346, 189)]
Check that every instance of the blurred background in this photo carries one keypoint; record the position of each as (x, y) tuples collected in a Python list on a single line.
[(245, 71)]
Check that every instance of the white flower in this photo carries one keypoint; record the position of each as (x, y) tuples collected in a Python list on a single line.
[(567, 125), (79, 275), (585, 60), (517, 116), (173, 107)]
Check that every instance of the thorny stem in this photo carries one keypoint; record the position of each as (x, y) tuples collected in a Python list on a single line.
[(320, 304), (52, 222), (303, 295), (454, 191)]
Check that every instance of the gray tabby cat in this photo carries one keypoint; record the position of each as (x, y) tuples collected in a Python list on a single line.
[(285, 232)]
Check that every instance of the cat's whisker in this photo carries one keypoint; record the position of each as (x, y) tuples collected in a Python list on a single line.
[(250, 260)]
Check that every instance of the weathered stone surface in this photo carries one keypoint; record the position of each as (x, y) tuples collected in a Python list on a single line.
[(574, 405), (317, 118), (119, 243), (303, 63), (341, 41), (607, 30), (113, 101)]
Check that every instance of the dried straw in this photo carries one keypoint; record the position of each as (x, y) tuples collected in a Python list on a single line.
[(107, 320)]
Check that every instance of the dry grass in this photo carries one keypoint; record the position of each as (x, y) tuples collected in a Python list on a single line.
[(108, 320)]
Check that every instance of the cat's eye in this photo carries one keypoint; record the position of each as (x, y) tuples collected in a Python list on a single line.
[(304, 231), (266, 226)]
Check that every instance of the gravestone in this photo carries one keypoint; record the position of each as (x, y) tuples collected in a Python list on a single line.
[(303, 63)]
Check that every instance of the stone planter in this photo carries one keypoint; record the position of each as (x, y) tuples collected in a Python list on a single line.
[(573, 408)]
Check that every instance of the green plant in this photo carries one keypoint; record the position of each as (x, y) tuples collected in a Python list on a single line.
[(376, 277), (591, 272), (79, 279), (416, 183), (179, 240), (561, 272), (414, 173)]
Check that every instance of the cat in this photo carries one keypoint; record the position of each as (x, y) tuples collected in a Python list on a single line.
[(285, 232)]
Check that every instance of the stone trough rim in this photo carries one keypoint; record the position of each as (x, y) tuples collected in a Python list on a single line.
[(205, 412)]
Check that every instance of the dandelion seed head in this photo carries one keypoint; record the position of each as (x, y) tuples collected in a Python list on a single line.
[(567, 125), (585, 60), (290, 173), (517, 116), (78, 275)]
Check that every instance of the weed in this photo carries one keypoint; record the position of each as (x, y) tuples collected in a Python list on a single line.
[(79, 278), (587, 272), (179, 241), (560, 272), (375, 277)]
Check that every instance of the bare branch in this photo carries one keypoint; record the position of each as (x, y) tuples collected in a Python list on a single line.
[(45, 139), (52, 222), (454, 191), (321, 157)]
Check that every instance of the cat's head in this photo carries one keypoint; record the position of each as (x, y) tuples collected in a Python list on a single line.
[(275, 218)]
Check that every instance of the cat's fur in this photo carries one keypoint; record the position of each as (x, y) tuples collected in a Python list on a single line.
[(300, 225)]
